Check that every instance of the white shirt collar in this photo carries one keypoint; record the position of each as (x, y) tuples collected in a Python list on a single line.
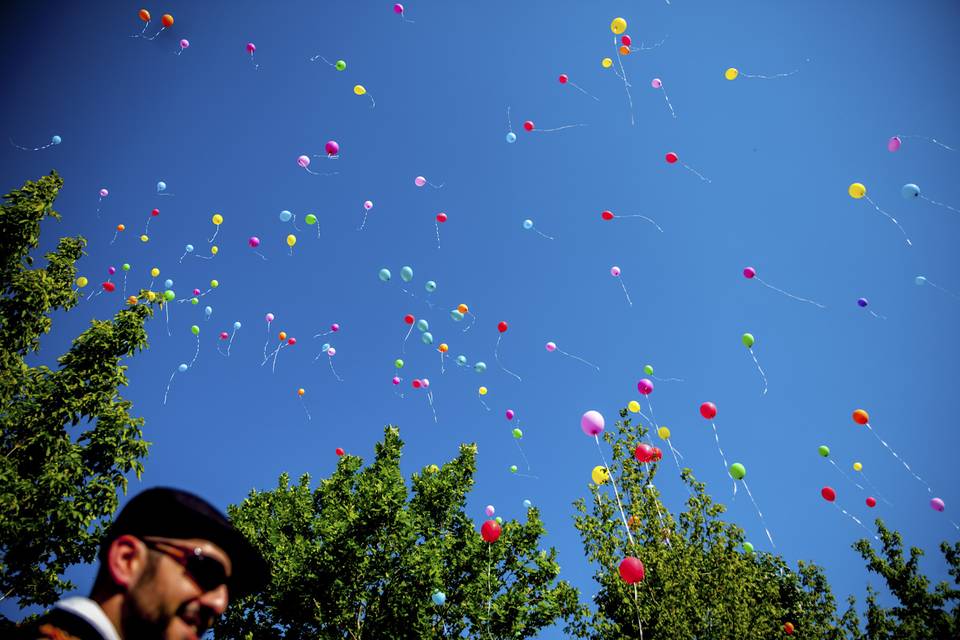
[(92, 613)]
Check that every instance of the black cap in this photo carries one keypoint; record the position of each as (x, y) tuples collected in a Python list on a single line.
[(171, 513)]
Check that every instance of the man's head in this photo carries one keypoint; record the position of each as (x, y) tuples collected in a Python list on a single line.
[(169, 565)]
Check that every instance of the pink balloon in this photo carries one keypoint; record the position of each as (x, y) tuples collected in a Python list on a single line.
[(224, 335), (425, 382), (184, 43), (509, 415), (269, 317), (489, 510), (251, 48), (398, 9), (111, 270), (332, 147), (104, 193), (645, 387), (331, 352), (303, 161), (419, 181), (254, 242), (893, 144), (656, 83), (334, 327), (749, 272), (551, 346), (937, 504), (615, 271), (368, 205), (396, 380), (592, 423), (196, 292)]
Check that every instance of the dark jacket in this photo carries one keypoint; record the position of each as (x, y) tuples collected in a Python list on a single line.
[(58, 624)]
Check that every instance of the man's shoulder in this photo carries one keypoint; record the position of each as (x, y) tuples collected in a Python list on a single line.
[(58, 624)]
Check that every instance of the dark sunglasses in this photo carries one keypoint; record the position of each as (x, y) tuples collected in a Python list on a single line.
[(208, 572)]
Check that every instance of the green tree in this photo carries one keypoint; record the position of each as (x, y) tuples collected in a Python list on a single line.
[(700, 581), (66, 436), (920, 612), (361, 556)]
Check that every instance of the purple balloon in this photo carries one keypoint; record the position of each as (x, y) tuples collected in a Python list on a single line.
[(645, 387), (893, 144), (937, 504), (656, 83), (862, 302), (104, 193), (592, 423)]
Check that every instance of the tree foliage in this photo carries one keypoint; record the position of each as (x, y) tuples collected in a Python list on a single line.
[(66, 436), (362, 555)]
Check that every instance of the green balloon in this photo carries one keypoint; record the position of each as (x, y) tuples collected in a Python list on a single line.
[(738, 471), (748, 340), (513, 468), (194, 300), (748, 547), (823, 450), (195, 330), (126, 266), (398, 363), (406, 274), (456, 315), (385, 275), (340, 65), (431, 286), (648, 369), (169, 295), (499, 520), (310, 218), (517, 434)]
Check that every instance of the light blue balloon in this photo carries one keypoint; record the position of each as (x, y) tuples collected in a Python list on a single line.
[(406, 274), (527, 504), (910, 191), (325, 347), (189, 248), (528, 224), (168, 284), (480, 367), (56, 140), (285, 216), (385, 275), (920, 281), (430, 286), (422, 324), (183, 367), (161, 186), (511, 137), (456, 315), (461, 361), (427, 337), (439, 598), (237, 325), (207, 311)]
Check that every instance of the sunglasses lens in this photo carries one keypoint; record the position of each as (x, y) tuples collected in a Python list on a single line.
[(208, 573)]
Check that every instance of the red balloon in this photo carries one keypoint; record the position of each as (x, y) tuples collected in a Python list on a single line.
[(416, 384), (339, 451), (441, 217), (109, 287), (409, 319), (708, 410), (788, 628), (490, 531), (871, 502), (749, 272), (155, 213), (631, 570), (224, 335), (292, 341), (607, 215), (528, 125), (625, 40), (657, 454), (502, 327), (563, 78), (643, 452), (861, 417), (828, 494), (672, 157)]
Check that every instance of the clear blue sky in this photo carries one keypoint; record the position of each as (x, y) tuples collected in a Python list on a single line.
[(780, 155)]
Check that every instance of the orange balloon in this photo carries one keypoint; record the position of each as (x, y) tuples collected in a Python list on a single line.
[(624, 50), (120, 227), (131, 299), (463, 308), (443, 348), (144, 15), (167, 20), (300, 392), (283, 335), (861, 417)]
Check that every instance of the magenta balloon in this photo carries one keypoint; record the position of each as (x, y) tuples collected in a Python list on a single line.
[(303, 161), (510, 414), (398, 9), (749, 272), (893, 144), (937, 504), (104, 193), (111, 270), (254, 242), (368, 205), (551, 346), (592, 423), (332, 147), (269, 317), (251, 48), (396, 380), (645, 387), (615, 271), (335, 327), (656, 83), (184, 43), (331, 352)]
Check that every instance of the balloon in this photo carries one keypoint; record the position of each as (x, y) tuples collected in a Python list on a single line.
[(482, 391), (184, 43), (430, 286), (490, 531), (154, 272), (427, 337), (285, 216), (489, 510), (510, 414), (645, 387), (332, 147), (384, 275), (551, 346), (339, 451), (182, 367), (409, 319), (708, 410), (310, 218), (406, 274), (618, 26), (166, 20), (664, 433), (499, 520), (217, 219), (303, 161), (214, 249), (920, 281), (253, 241), (643, 452), (169, 295), (331, 352), (748, 547), (269, 317), (251, 48), (857, 190), (517, 434), (121, 227), (438, 597), (144, 15), (937, 504), (291, 240), (420, 181), (56, 140), (480, 367), (368, 204), (162, 186), (563, 78), (188, 248), (656, 83), (502, 326), (340, 65), (749, 273), (631, 570), (828, 494), (144, 238), (823, 450), (422, 324), (592, 423), (606, 63), (738, 471), (301, 391), (398, 363), (511, 137), (528, 224), (104, 193), (788, 628), (626, 40), (528, 125), (624, 50), (462, 308), (861, 417), (195, 330), (224, 335), (633, 406), (599, 475), (82, 282), (862, 302), (125, 266), (671, 157), (207, 310), (731, 74), (615, 271), (871, 501), (910, 191), (111, 270), (857, 466), (893, 144), (527, 504), (237, 325), (359, 90), (648, 369), (441, 217)]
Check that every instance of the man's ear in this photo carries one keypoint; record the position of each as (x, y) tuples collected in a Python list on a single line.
[(126, 560)]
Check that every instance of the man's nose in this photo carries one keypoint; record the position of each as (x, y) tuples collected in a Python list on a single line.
[(216, 600)]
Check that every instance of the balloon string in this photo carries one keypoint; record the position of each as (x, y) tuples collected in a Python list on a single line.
[(509, 124), (214, 234), (768, 77), (162, 29), (27, 149), (940, 204), (166, 313), (626, 85), (320, 173), (437, 225), (276, 355), (124, 283), (650, 220), (759, 513), (140, 35), (146, 229), (629, 301), (947, 291), (98, 212), (877, 315), (616, 493), (472, 322), (890, 217), (789, 295), (336, 375), (527, 462), (566, 126), (442, 368), (578, 88), (902, 461), (304, 405), (642, 47), (854, 518), (364, 223), (667, 379), (265, 344), (230, 344), (403, 345), (570, 355), (760, 369), (723, 457), (665, 97), (496, 355), (695, 172), (636, 600), (875, 490), (484, 404), (928, 139), (167, 390), (183, 256), (844, 474), (543, 234)]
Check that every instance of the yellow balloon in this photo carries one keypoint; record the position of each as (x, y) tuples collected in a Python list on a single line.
[(731, 74), (664, 433), (633, 406), (857, 466), (599, 475), (217, 219), (151, 296), (857, 191), (214, 249), (82, 282), (144, 238), (154, 272), (359, 90), (606, 63), (291, 240), (483, 391), (214, 284), (618, 26)]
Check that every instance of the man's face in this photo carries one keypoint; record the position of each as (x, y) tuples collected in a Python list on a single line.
[(166, 603)]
